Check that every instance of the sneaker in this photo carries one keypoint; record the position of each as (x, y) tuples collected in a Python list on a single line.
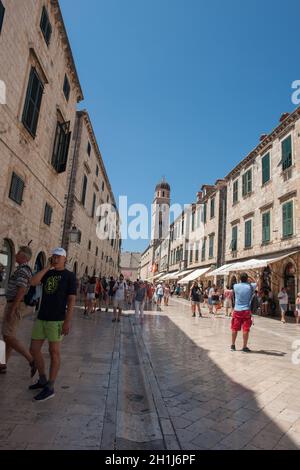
[(36, 386), (233, 347), (114, 319), (3, 369), (246, 350), (44, 395), (193, 315)]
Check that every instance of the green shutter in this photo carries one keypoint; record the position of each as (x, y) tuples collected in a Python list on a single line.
[(266, 227), (248, 238), (204, 213), (244, 185), (287, 219), (234, 239), (286, 147), (266, 168)]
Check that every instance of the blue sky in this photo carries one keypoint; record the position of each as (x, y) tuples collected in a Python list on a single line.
[(181, 88)]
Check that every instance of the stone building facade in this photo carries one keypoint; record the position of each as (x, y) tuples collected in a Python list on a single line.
[(37, 136), (263, 212), (88, 195), (36, 121), (130, 264)]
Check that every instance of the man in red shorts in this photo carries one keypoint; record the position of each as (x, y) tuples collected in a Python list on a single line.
[(241, 316)]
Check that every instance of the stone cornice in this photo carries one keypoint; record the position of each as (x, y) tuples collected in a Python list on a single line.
[(65, 40), (283, 128), (247, 216), (269, 205), (235, 222), (287, 196)]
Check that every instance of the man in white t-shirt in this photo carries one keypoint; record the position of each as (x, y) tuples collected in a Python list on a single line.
[(283, 303), (120, 291)]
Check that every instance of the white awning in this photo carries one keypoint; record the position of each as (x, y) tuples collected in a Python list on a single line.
[(184, 273), (194, 275), (170, 276), (158, 276), (250, 264)]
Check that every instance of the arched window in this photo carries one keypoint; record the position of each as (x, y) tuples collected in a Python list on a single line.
[(39, 262), (6, 263)]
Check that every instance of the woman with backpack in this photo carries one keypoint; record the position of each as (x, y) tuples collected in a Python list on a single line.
[(196, 297)]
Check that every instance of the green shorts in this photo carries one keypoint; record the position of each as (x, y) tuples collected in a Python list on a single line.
[(50, 330)]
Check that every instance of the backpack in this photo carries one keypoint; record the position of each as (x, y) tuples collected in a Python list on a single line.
[(29, 299)]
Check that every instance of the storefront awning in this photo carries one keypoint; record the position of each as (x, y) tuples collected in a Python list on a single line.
[(250, 264), (170, 276), (184, 273), (193, 275)]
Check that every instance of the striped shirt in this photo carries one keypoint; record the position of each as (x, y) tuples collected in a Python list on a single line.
[(20, 278)]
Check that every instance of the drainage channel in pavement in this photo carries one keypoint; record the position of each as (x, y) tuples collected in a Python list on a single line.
[(135, 417)]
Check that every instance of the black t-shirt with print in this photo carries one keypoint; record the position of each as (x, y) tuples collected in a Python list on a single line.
[(57, 286)]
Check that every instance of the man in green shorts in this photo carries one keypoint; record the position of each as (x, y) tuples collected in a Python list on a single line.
[(54, 319)]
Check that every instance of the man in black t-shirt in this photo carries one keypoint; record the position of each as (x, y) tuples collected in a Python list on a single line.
[(54, 318)]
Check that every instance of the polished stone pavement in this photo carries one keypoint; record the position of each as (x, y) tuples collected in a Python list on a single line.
[(170, 382)]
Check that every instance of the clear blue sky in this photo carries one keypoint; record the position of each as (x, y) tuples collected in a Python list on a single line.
[(181, 88)]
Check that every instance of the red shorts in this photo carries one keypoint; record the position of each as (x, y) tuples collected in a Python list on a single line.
[(241, 319)]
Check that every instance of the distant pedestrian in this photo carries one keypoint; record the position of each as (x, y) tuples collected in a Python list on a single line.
[(166, 295), (159, 294), (120, 291), (196, 297), (54, 319), (91, 295), (15, 308), (228, 298), (283, 303), (241, 316), (139, 300)]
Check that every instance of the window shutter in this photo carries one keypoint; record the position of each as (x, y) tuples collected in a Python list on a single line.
[(61, 147), (286, 147), (287, 216), (16, 189), (248, 240), (266, 168), (244, 185), (32, 102), (266, 227)]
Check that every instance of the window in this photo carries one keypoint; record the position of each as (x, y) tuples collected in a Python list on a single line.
[(286, 147), (212, 208), (204, 212), (103, 186), (46, 26), (89, 245), (211, 246), (193, 221), (247, 182), (203, 252), (265, 163), (2, 11), (287, 219), (96, 251), (48, 214), (89, 148), (191, 254), (235, 197), (233, 245), (84, 187), (33, 102), (266, 229), (182, 226), (97, 170), (93, 205), (248, 234), (61, 146), (107, 199), (16, 189), (102, 255), (66, 88)]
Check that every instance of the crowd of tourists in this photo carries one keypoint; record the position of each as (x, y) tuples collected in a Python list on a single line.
[(58, 288)]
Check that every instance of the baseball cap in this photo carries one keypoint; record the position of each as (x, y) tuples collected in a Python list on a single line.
[(59, 252)]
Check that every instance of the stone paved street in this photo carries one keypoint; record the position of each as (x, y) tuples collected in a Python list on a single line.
[(171, 383)]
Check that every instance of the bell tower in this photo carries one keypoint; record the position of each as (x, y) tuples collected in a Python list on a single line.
[(160, 221)]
